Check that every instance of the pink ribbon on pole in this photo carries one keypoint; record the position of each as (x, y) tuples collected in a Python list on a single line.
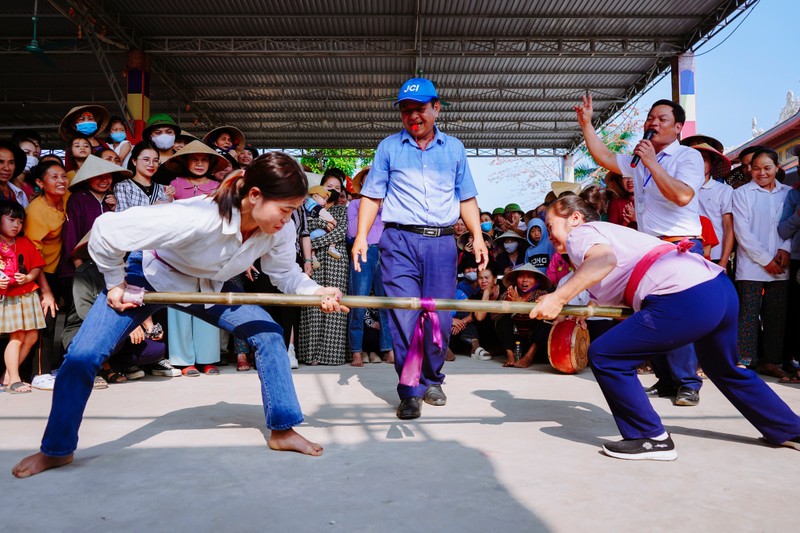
[(412, 366)]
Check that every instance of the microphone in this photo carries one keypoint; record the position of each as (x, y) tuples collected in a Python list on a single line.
[(22, 269), (647, 136)]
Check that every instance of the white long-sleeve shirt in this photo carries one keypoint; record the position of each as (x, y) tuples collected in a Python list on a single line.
[(756, 214), (198, 249)]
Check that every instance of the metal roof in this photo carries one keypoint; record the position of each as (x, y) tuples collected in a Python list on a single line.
[(324, 74)]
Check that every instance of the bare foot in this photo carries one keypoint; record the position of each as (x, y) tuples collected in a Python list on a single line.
[(39, 462), (389, 357), (288, 440), (357, 361), (525, 362), (509, 362), (450, 356)]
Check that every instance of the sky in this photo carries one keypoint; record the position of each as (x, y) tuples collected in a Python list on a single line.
[(744, 71)]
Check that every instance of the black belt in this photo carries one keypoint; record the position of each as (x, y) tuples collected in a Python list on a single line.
[(428, 231)]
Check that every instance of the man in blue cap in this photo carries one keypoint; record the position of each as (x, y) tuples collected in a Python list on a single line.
[(422, 177)]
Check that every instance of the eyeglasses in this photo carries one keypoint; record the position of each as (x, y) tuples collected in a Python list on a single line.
[(147, 160)]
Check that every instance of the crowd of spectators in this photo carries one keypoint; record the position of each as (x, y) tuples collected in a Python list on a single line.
[(48, 206)]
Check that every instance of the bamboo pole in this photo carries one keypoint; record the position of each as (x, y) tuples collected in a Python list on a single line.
[(377, 302)]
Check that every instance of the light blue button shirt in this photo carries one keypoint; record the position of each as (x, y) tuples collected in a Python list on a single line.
[(420, 187)]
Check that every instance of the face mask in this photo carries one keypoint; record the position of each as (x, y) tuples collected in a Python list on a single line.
[(334, 197), (30, 162), (471, 276), (86, 128), (511, 247), (164, 141), (486, 226), (117, 136)]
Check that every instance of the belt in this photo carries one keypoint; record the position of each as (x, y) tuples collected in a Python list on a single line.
[(428, 231), (680, 238)]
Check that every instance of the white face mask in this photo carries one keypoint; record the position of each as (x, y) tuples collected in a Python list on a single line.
[(30, 162), (164, 141), (511, 247), (471, 276)]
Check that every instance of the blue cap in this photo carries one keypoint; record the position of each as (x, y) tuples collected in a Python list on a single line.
[(418, 90)]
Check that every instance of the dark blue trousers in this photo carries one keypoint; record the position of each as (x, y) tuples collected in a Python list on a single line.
[(678, 367), (414, 265), (707, 315)]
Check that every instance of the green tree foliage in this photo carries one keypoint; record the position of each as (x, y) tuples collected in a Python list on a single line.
[(618, 138), (347, 160)]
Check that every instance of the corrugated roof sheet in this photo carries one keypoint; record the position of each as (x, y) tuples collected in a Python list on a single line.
[(318, 73)]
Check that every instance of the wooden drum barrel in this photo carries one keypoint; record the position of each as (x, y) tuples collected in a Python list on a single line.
[(567, 347)]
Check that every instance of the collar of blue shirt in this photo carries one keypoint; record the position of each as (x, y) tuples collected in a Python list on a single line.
[(439, 137)]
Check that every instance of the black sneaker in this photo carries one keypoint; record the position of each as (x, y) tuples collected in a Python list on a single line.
[(133, 372), (642, 449), (659, 391), (687, 396)]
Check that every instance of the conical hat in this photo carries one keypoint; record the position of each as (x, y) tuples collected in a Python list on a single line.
[(176, 163), (236, 136), (95, 166), (358, 180), (67, 128), (81, 250), (560, 187), (511, 278)]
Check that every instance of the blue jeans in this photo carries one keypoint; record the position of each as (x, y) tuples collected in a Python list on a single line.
[(105, 328), (707, 315), (360, 285)]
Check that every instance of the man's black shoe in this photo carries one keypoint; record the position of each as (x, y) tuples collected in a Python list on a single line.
[(435, 395), (409, 408), (660, 391), (687, 396)]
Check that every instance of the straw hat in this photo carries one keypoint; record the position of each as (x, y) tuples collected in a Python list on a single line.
[(703, 139), (176, 163), (358, 180), (510, 279), (95, 166), (462, 240), (20, 159), (560, 187), (720, 165), (81, 250), (236, 136), (67, 128), (510, 235), (320, 190)]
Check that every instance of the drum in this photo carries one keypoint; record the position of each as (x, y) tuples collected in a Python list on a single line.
[(567, 347)]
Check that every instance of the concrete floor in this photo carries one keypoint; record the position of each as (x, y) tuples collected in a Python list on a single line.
[(514, 450)]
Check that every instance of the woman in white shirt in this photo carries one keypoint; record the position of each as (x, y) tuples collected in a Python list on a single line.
[(193, 245), (762, 264)]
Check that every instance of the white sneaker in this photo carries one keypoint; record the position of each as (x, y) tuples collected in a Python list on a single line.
[(43, 382), (292, 358), (164, 369)]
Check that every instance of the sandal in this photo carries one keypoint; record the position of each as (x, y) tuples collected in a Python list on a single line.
[(481, 354), (112, 377), (19, 387), (209, 370), (791, 380), (190, 371), (773, 370), (242, 365), (374, 358)]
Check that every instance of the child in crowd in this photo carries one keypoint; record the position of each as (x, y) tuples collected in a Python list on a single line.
[(20, 308), (541, 249), (525, 283), (118, 138), (315, 208)]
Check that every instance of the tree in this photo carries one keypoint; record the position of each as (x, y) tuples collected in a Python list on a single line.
[(347, 160), (617, 136)]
